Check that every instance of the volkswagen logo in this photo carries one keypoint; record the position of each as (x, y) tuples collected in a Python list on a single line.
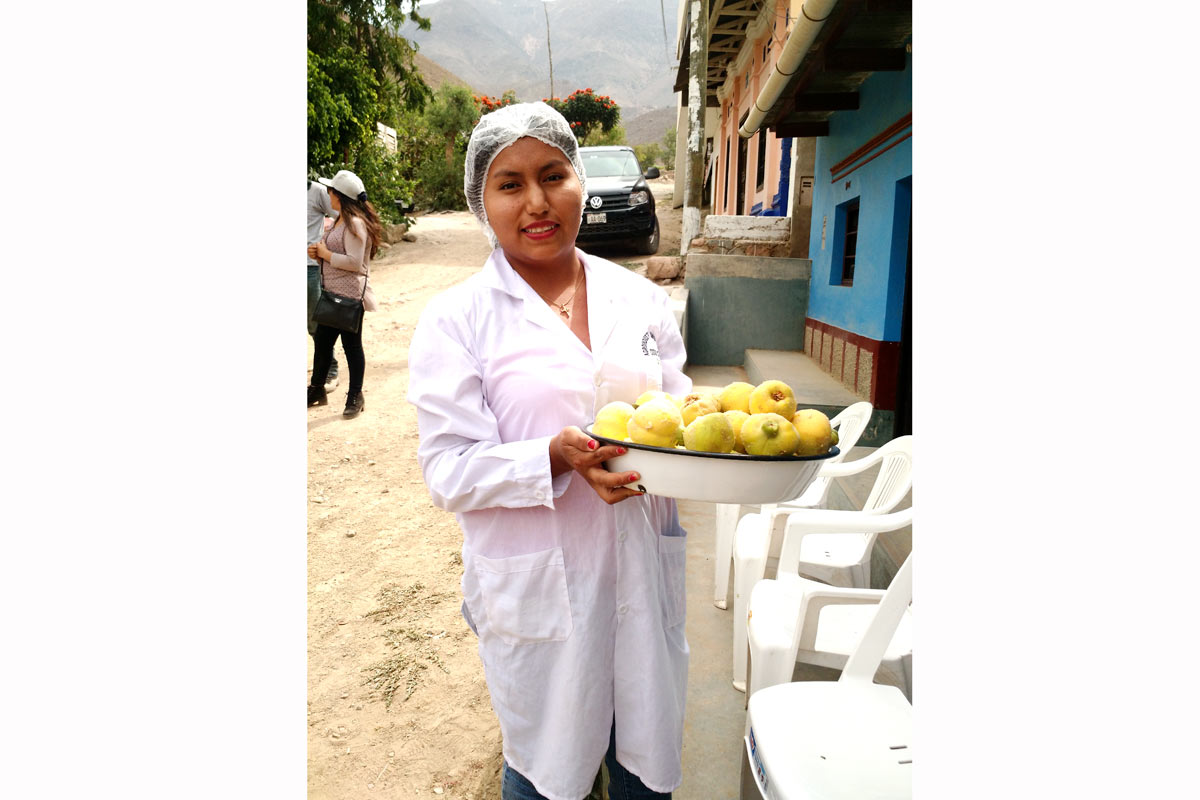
[(596, 202)]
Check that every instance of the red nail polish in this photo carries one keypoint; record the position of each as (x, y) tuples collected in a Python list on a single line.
[(622, 451), (591, 444), (633, 476)]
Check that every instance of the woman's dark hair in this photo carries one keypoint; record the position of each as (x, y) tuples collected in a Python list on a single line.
[(362, 209)]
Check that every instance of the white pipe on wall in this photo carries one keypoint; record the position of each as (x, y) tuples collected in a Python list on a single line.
[(812, 17)]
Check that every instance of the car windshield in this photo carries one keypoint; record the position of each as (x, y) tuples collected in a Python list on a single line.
[(610, 165)]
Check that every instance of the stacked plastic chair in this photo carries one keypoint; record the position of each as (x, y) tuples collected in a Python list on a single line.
[(837, 740), (850, 424), (829, 545)]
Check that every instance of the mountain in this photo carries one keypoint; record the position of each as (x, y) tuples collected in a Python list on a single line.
[(650, 127), (436, 75), (615, 47)]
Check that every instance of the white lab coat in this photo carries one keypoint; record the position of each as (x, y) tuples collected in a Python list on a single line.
[(579, 605)]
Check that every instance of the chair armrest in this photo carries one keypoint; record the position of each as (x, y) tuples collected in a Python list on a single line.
[(828, 520), (802, 522), (817, 599), (844, 469)]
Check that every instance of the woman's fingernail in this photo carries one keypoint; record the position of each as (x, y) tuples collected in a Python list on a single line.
[(633, 476), (591, 444), (621, 451)]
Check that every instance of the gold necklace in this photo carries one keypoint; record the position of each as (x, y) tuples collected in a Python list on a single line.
[(564, 308)]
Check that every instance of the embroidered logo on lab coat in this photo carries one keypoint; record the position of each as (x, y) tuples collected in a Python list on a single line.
[(649, 345)]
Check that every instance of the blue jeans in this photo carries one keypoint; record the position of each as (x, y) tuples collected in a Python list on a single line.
[(314, 294), (622, 784)]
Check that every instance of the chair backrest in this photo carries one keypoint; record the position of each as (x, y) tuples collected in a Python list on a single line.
[(850, 424), (895, 475), (867, 655)]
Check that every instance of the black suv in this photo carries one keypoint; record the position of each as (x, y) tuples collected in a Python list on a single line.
[(620, 205)]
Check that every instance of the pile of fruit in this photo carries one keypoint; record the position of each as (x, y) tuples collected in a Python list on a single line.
[(755, 420)]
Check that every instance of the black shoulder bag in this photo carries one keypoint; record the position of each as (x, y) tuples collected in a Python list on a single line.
[(337, 311)]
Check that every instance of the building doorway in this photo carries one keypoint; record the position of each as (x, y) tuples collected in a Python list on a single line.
[(741, 177), (904, 378)]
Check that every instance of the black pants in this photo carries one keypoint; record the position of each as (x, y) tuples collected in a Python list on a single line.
[(323, 341)]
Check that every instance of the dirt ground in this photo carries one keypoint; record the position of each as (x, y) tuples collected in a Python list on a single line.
[(397, 705)]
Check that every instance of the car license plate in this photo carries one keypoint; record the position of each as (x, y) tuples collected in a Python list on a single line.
[(597, 219)]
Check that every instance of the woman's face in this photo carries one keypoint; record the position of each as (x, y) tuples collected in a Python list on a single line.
[(334, 201), (534, 203)]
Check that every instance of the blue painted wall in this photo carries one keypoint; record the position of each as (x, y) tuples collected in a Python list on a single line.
[(873, 306)]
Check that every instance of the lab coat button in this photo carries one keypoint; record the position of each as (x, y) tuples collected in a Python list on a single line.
[(599, 380), (624, 607), (621, 536)]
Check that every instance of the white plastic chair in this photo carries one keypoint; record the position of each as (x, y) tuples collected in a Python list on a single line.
[(838, 553), (850, 424), (792, 619), (837, 740)]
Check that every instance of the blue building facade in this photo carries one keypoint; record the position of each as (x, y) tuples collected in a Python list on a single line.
[(859, 306)]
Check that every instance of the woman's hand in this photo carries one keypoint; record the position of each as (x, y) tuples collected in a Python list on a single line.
[(573, 449), (319, 250), (313, 251)]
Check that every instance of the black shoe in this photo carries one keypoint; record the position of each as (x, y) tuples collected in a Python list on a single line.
[(354, 404), (317, 396)]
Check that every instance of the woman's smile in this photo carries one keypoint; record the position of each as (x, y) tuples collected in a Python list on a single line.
[(540, 230)]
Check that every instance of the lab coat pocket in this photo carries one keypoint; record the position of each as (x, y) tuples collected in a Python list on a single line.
[(672, 563), (525, 597)]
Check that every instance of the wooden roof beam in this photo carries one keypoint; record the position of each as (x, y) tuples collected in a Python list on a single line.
[(865, 59), (785, 130), (825, 101)]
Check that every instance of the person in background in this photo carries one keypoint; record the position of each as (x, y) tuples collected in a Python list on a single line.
[(345, 254), (573, 582), (319, 208)]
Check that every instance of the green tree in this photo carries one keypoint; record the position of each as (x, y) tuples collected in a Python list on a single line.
[(648, 155), (587, 112), (343, 100), (359, 72), (598, 137), (668, 141), (451, 116)]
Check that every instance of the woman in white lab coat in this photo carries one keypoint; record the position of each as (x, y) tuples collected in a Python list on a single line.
[(573, 583)]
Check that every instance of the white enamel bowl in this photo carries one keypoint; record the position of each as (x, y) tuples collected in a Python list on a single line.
[(715, 477)]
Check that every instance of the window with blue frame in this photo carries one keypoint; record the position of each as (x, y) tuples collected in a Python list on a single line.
[(845, 243)]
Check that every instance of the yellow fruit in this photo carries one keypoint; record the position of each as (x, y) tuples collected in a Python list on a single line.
[(710, 433), (655, 422), (816, 437), (697, 405), (737, 418), (612, 420), (773, 397), (646, 397), (769, 435), (736, 396)]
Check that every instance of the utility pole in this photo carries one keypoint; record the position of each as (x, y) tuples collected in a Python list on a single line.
[(697, 97), (548, 53)]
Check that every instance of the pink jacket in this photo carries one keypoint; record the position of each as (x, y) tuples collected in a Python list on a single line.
[(347, 272)]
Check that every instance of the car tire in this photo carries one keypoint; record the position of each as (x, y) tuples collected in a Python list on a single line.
[(649, 245)]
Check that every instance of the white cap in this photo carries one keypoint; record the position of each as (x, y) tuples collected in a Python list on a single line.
[(347, 183)]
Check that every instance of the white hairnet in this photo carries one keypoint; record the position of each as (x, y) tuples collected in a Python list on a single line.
[(499, 129)]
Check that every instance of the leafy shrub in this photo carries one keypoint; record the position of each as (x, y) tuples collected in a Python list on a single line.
[(440, 185)]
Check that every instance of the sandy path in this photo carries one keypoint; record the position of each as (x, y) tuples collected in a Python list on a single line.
[(384, 564)]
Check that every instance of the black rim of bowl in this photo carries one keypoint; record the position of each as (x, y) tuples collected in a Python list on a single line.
[(833, 451)]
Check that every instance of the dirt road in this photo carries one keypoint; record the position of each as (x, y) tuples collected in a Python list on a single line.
[(397, 706)]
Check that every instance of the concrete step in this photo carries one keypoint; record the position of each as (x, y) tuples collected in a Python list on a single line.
[(813, 386)]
